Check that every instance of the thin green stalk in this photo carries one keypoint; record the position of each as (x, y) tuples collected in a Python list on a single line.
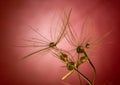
[(80, 79), (83, 76), (92, 67)]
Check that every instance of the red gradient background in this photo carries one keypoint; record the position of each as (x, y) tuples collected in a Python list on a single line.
[(17, 14)]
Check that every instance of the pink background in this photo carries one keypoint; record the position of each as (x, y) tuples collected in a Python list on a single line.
[(17, 14)]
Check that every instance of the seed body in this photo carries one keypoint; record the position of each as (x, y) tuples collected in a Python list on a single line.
[(70, 65), (64, 57), (83, 59), (52, 44)]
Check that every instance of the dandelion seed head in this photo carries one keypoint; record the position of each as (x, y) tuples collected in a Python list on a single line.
[(80, 49)]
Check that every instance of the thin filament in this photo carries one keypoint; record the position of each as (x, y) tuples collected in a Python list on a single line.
[(35, 41), (40, 40), (61, 34), (39, 33), (35, 52)]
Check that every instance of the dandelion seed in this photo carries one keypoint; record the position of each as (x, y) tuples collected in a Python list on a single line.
[(83, 42), (47, 44)]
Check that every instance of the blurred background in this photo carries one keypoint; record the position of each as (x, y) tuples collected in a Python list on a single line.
[(17, 15)]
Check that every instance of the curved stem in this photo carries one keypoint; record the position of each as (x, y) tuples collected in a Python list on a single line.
[(80, 79), (92, 67), (83, 76)]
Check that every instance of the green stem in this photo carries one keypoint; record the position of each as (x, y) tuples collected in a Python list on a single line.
[(79, 79), (83, 76), (93, 82)]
